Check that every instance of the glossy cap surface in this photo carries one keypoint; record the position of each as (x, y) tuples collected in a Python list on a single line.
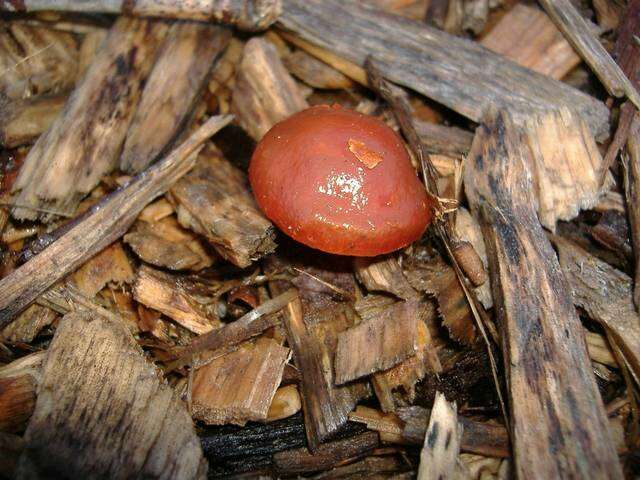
[(339, 181)]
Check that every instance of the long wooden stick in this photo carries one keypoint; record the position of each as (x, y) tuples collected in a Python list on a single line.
[(559, 426), (245, 14), (104, 223)]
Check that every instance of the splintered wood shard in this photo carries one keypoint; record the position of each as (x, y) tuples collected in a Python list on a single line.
[(214, 200), (162, 292), (104, 223), (22, 121), (377, 343), (441, 444), (84, 142), (36, 60), (265, 93), (606, 295), (527, 36), (433, 62), (566, 165), (245, 14), (383, 274), (569, 20), (239, 386), (98, 391), (171, 92), (559, 425)]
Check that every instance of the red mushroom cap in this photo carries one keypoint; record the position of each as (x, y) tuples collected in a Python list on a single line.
[(339, 181)]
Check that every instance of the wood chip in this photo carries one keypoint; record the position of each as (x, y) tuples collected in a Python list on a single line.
[(126, 428), (22, 121), (239, 386), (214, 200), (163, 292), (383, 274), (314, 72), (110, 265)]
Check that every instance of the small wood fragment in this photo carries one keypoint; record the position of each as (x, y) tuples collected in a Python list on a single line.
[(606, 295), (445, 140), (383, 274), (17, 399), (162, 292), (100, 226), (377, 343), (22, 121), (166, 244), (557, 411), (441, 443), (239, 386), (110, 265), (84, 142), (245, 14), (527, 36), (314, 72), (632, 195), (264, 93), (569, 20), (171, 91), (36, 60), (214, 200), (326, 456), (28, 324), (468, 229), (128, 423)]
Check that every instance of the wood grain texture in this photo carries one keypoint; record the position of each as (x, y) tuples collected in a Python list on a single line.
[(264, 93), (527, 36), (239, 386), (574, 27), (632, 196), (98, 391), (171, 91), (377, 343), (432, 62), (215, 201), (84, 142), (100, 226), (559, 426), (606, 295), (22, 121), (245, 14), (36, 61), (383, 274)]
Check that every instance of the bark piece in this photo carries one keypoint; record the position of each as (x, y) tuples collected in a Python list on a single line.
[(632, 195), (28, 324), (264, 93), (383, 274), (214, 200), (245, 14), (36, 60), (441, 444), (105, 222), (527, 36), (314, 72), (22, 121), (327, 456), (17, 399), (377, 343), (113, 404), (558, 420), (434, 63), (164, 293), (571, 23), (84, 142), (239, 386), (166, 244), (606, 295), (172, 90), (110, 265)]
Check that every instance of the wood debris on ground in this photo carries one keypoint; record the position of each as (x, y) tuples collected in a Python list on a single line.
[(155, 323)]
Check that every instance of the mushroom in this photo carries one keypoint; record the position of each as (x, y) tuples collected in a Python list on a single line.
[(340, 182)]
